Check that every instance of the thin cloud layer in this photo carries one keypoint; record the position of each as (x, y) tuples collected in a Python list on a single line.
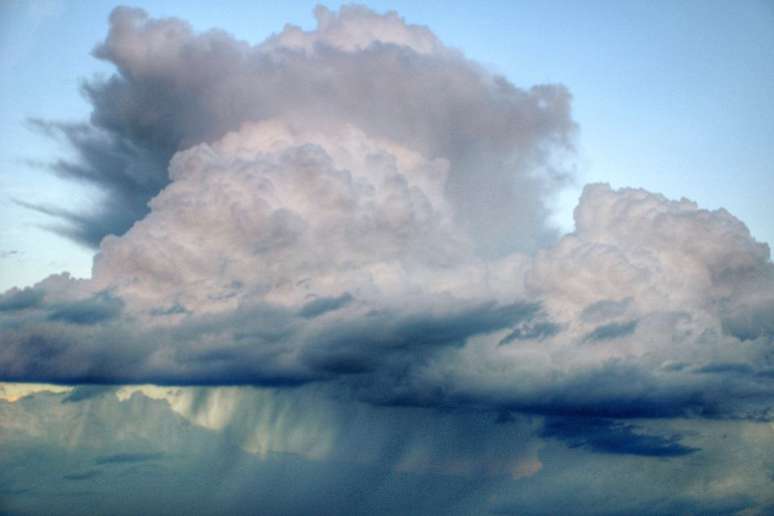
[(361, 208)]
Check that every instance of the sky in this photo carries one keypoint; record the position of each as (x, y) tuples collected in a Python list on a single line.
[(445, 258)]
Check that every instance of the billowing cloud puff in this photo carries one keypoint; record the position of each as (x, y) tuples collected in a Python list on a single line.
[(286, 215), (396, 82), (650, 308), (362, 209)]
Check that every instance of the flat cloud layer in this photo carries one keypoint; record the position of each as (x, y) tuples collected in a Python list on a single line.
[(361, 208)]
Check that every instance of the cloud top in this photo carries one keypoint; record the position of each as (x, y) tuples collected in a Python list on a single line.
[(175, 88)]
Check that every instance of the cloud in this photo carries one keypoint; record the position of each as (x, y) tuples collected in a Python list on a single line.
[(128, 173), (750, 321), (175, 88), (259, 345), (362, 209), (127, 458), (321, 305), (85, 392), (99, 308), (86, 475), (605, 436), (612, 330), (394, 327), (16, 299), (530, 331), (329, 256)]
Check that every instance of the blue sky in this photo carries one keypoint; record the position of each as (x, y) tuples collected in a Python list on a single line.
[(671, 97)]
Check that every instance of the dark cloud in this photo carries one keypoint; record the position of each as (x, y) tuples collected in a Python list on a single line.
[(751, 322), (717, 506), (86, 392), (352, 222), (724, 368), (425, 329), (129, 171), (259, 342), (322, 305), (363, 212), (391, 345), (612, 331), (16, 299), (85, 475), (608, 436), (388, 358), (172, 310), (99, 308), (628, 390), (127, 458), (532, 330)]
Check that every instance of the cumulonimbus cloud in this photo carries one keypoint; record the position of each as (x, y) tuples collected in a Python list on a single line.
[(175, 88), (362, 207)]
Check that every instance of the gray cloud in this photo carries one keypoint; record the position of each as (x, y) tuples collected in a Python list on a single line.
[(262, 345), (127, 458), (605, 436), (175, 88), (532, 330), (750, 322), (604, 310), (436, 350), (16, 299), (129, 173), (85, 475), (99, 308), (319, 306), (86, 392), (612, 331)]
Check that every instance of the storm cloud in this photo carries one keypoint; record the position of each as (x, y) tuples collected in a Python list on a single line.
[(362, 210)]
